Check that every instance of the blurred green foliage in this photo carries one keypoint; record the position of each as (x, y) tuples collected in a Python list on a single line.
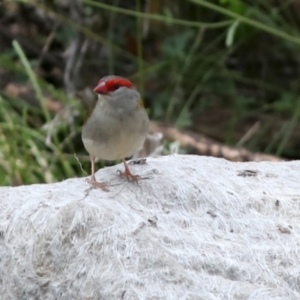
[(216, 67)]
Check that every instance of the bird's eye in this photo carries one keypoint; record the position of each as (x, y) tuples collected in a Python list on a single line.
[(116, 86)]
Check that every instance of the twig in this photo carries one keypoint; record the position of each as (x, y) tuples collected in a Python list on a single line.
[(83, 49), (80, 165), (47, 45), (204, 146), (249, 134), (68, 78)]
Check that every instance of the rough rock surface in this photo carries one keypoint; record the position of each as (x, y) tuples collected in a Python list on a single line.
[(194, 228)]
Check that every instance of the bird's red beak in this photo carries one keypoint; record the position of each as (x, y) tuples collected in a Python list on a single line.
[(101, 88)]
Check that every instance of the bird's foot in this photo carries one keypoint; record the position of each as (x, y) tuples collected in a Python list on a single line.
[(129, 176), (98, 185)]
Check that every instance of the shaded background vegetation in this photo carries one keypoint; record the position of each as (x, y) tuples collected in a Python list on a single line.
[(220, 68)]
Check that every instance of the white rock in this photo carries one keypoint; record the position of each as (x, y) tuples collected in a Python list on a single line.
[(196, 228)]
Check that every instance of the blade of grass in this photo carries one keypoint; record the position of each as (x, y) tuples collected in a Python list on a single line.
[(32, 78), (139, 49), (253, 23), (289, 129), (110, 38), (161, 18), (186, 64)]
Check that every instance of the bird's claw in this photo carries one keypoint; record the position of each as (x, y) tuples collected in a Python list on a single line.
[(98, 185), (129, 176)]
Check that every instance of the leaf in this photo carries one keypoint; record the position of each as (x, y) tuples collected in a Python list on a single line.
[(236, 6), (175, 46), (184, 120), (230, 33)]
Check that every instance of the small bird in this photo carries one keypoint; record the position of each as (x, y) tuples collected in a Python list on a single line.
[(116, 126)]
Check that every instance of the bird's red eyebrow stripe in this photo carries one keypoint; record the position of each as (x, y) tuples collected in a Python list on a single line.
[(120, 81), (110, 85)]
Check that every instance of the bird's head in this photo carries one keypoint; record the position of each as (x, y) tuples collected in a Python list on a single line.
[(119, 90)]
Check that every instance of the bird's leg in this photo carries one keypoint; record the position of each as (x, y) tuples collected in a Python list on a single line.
[(93, 181), (127, 173)]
